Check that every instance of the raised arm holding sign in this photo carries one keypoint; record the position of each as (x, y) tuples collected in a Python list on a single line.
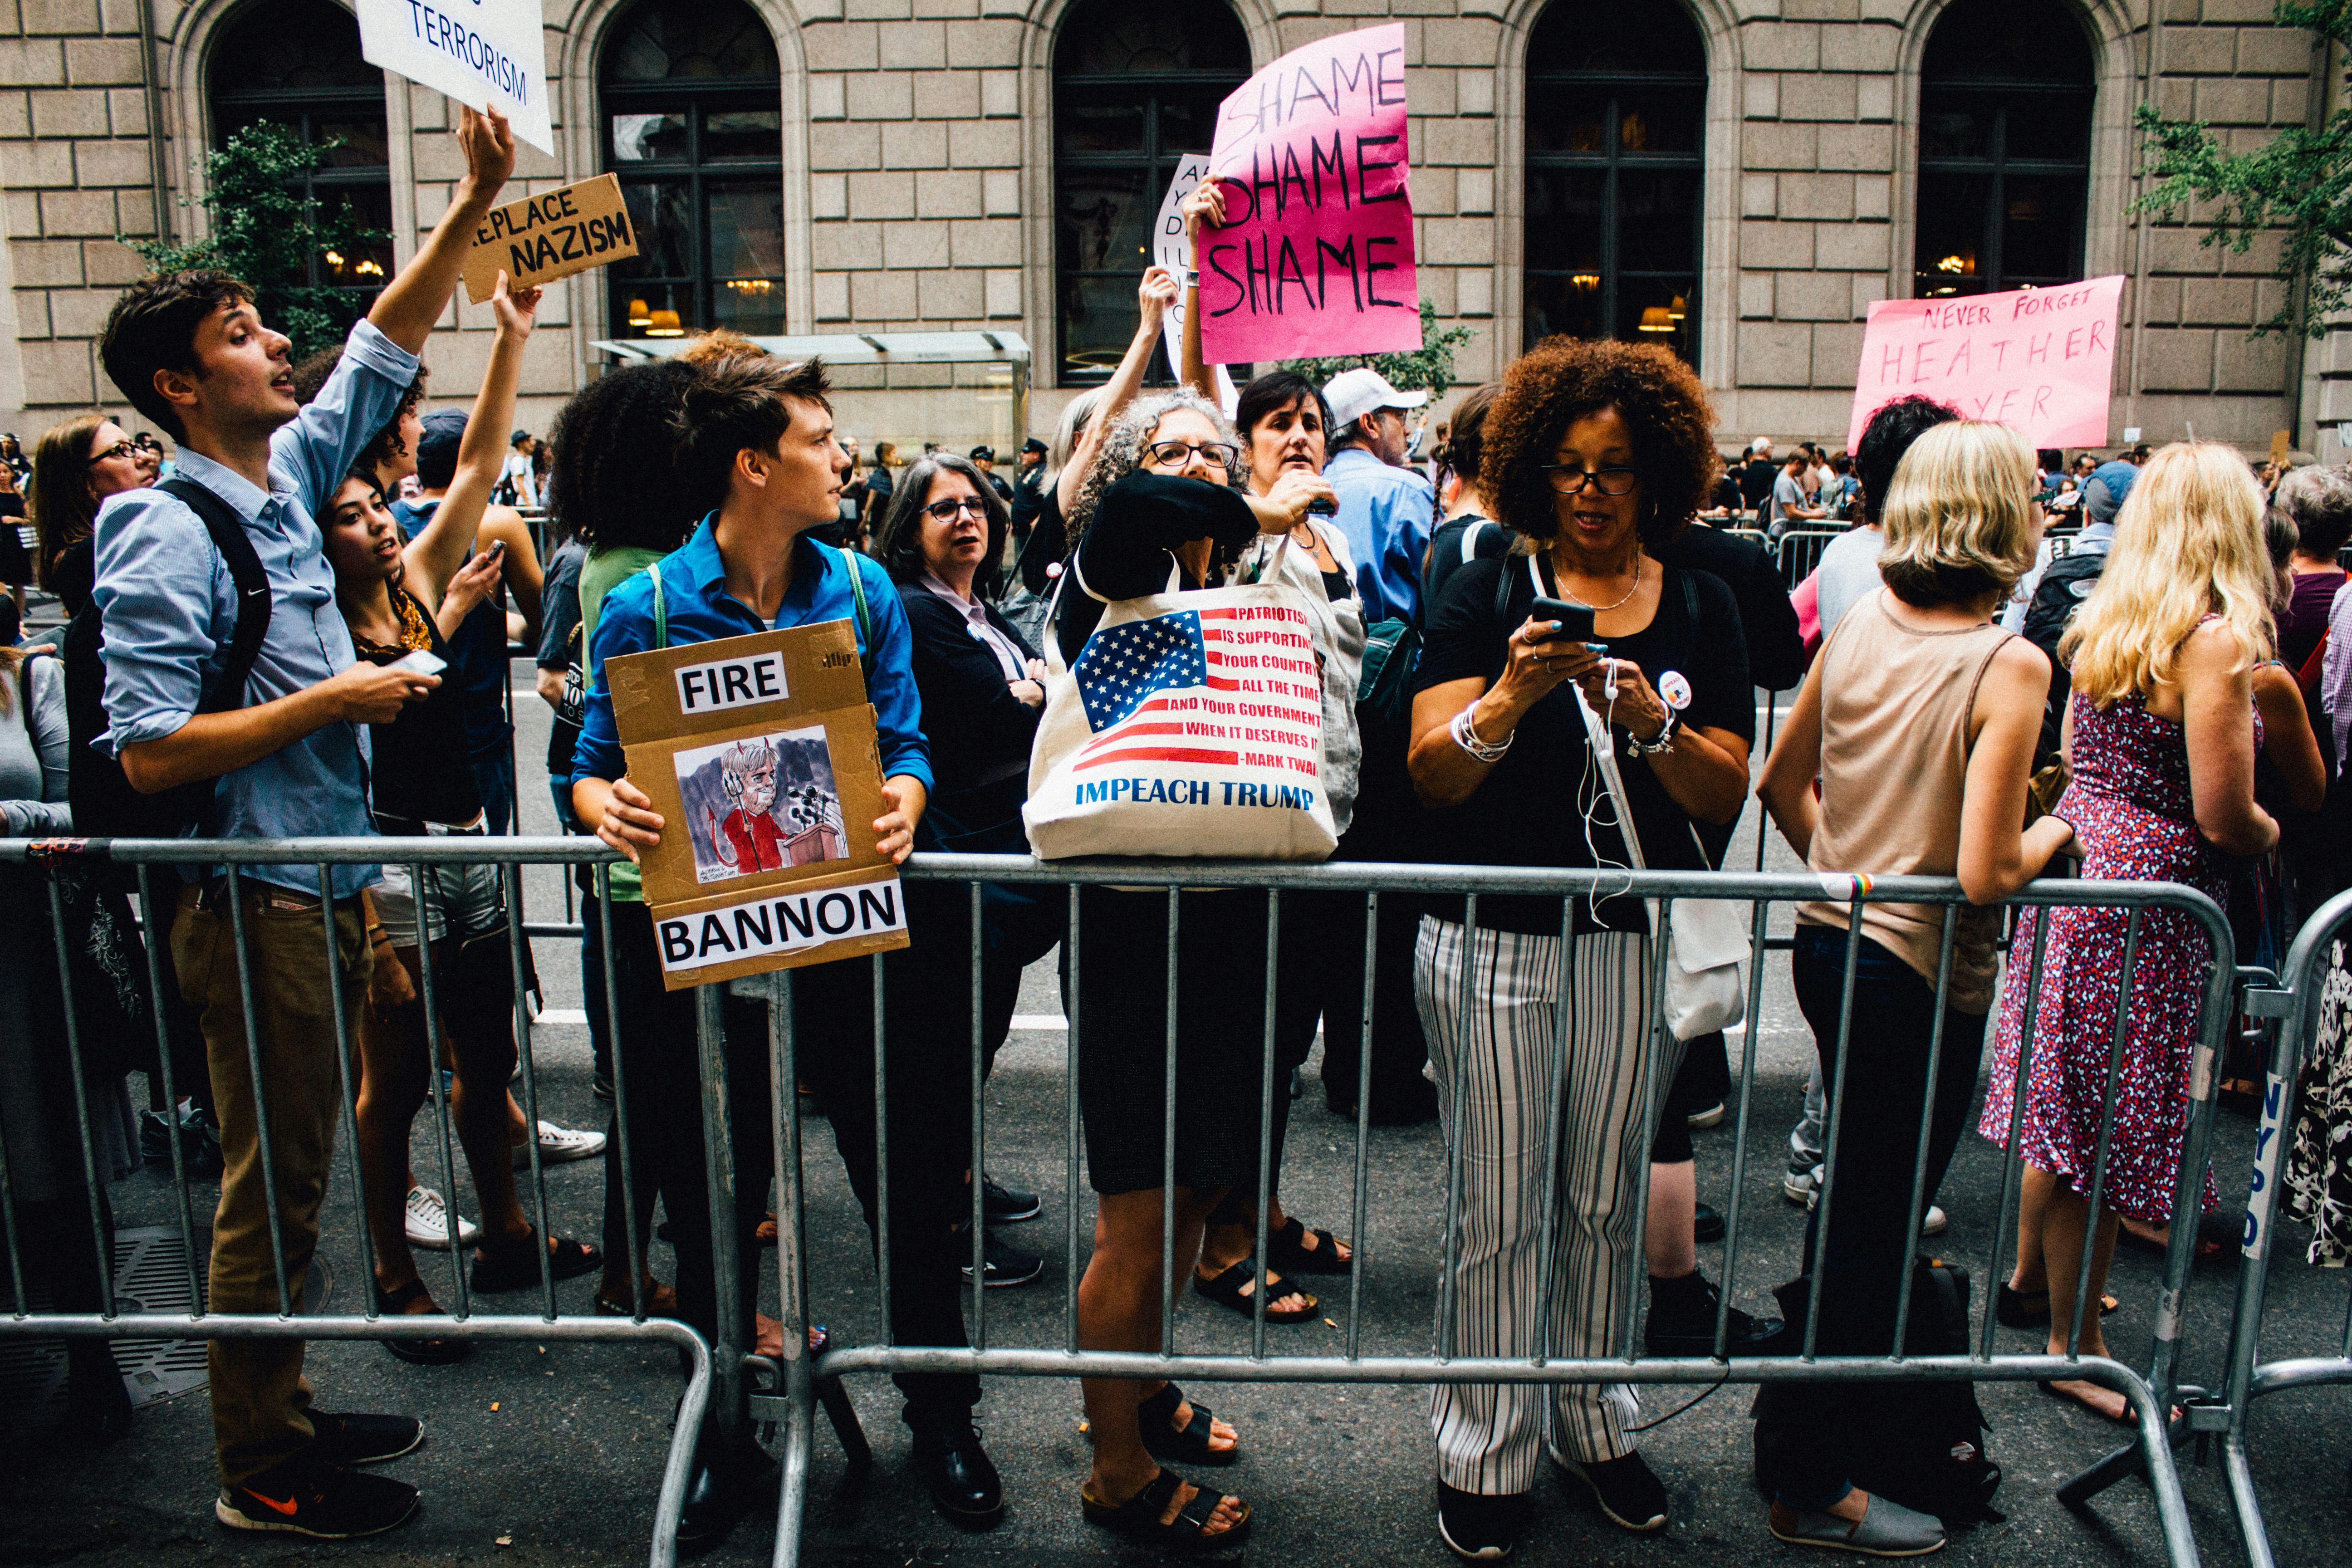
[(487, 54), (1313, 253)]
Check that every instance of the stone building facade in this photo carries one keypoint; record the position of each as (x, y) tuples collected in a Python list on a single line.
[(1742, 176)]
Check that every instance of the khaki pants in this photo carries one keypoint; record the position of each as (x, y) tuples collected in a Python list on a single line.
[(260, 1402)]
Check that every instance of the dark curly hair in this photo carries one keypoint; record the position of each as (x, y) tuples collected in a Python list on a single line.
[(310, 376), (612, 483), (1560, 381)]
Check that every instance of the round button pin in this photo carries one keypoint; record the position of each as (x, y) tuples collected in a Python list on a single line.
[(1675, 688)]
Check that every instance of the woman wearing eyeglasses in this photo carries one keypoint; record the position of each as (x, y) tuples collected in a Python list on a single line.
[(1161, 501), (983, 688), (1596, 455), (75, 466)]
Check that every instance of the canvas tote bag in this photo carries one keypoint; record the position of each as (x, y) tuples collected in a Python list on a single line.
[(1191, 727)]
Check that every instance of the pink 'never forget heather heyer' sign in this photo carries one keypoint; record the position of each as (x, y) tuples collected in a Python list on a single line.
[(1316, 257), (2040, 359)]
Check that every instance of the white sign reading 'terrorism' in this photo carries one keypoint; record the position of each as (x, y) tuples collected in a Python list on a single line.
[(484, 53)]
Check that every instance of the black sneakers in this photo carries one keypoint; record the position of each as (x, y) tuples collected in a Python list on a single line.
[(1682, 1322), (1480, 1529), (307, 1496), (1006, 1205), (355, 1440), (1625, 1489), (1006, 1265)]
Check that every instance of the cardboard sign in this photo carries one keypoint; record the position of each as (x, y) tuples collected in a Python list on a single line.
[(759, 754), (2281, 442), (555, 235), (1172, 247), (1316, 257), (479, 52), (2042, 359)]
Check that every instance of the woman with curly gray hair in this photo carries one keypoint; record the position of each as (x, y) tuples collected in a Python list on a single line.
[(1162, 498)]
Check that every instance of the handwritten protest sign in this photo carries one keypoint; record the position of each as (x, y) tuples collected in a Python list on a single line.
[(2040, 359), (1316, 256), (485, 53), (760, 754), (550, 235), (1172, 247)]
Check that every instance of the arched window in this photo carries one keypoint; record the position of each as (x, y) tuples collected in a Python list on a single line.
[(693, 127), (1616, 110), (2004, 182), (297, 63), (1135, 87)]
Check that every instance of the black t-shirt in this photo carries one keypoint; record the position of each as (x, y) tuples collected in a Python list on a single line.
[(1756, 477), (1532, 808), (1487, 539), (419, 774)]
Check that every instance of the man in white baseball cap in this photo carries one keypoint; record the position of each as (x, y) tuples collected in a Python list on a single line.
[(1386, 509)]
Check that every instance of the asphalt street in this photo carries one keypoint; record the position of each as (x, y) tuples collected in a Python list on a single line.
[(549, 1453)]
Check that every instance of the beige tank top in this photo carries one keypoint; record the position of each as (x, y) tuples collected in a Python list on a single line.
[(1894, 755)]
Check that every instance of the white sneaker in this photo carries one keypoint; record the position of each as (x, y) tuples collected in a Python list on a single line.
[(560, 1145), (1799, 1186), (428, 1222), (1935, 1223)]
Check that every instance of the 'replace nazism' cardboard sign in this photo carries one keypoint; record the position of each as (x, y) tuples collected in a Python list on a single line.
[(550, 235), (759, 754)]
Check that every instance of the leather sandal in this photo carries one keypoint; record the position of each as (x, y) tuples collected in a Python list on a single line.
[(417, 1353), (2031, 1309), (1235, 1289), (1190, 1444), (1287, 1249), (661, 1302), (518, 1269), (1138, 1517)]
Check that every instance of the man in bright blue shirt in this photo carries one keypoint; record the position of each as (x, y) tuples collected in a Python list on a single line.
[(762, 431), (288, 758), (1386, 509)]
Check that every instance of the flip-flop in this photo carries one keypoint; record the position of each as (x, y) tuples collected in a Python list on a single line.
[(566, 1259), (2126, 1419), (2015, 1308)]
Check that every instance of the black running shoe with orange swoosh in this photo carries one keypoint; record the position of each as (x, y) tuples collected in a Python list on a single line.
[(306, 1496)]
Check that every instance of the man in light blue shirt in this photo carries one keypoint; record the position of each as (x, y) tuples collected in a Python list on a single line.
[(1386, 509), (286, 756)]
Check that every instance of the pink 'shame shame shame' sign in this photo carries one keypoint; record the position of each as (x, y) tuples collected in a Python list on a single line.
[(1315, 254), (2042, 359)]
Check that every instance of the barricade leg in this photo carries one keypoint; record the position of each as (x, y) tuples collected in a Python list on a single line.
[(729, 1421), (791, 1272)]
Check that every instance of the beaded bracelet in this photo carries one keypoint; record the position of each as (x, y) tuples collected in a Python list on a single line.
[(1637, 747), (1466, 735)]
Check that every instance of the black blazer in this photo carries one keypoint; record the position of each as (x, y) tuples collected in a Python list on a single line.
[(973, 720)]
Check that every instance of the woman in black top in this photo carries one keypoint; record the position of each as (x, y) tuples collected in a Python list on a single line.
[(983, 688), (1596, 455), (1162, 492), (398, 601)]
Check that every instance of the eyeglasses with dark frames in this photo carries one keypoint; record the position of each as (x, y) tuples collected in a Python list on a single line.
[(1176, 454), (1569, 480), (120, 449), (945, 511)]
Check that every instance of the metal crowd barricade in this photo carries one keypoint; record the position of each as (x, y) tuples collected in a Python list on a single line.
[(2303, 991), (1801, 550), (154, 865), (2150, 1396)]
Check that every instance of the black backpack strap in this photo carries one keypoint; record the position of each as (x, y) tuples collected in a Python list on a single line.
[(252, 584)]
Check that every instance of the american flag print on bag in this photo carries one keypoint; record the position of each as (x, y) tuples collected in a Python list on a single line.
[(1193, 730)]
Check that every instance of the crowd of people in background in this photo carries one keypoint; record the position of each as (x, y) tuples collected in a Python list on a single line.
[(296, 621)]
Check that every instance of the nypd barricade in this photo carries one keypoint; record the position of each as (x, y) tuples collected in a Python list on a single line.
[(1191, 725), (759, 752)]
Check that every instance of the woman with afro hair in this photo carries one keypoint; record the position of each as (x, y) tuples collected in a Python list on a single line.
[(1595, 457)]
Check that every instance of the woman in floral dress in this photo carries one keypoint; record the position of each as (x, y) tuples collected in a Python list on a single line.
[(2161, 735)]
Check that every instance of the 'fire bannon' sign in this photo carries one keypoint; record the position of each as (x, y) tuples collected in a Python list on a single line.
[(550, 235), (1315, 254)]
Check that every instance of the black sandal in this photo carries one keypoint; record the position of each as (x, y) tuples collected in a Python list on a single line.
[(1163, 1439), (566, 1259), (1138, 1517), (417, 1352), (1287, 1249), (2015, 1308), (1233, 1288)]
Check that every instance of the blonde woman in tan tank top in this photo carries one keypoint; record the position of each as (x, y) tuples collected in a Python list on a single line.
[(1919, 719)]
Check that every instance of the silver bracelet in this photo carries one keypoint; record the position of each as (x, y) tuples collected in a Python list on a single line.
[(1637, 747), (1466, 736)]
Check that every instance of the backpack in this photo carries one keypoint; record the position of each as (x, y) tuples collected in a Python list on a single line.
[(1921, 1443), (105, 805)]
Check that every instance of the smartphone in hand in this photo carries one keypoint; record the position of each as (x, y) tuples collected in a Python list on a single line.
[(421, 661), (1575, 620)]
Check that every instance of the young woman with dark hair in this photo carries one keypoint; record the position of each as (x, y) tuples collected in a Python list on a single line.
[(75, 466)]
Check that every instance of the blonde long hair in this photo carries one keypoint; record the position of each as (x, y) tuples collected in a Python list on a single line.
[(2188, 544)]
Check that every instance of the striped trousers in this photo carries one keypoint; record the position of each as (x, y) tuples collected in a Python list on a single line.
[(1495, 1069)]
